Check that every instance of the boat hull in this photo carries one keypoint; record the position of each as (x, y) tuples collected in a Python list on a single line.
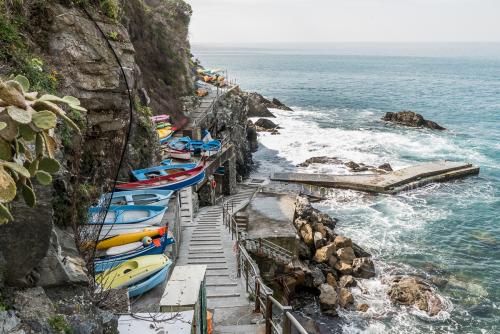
[(131, 272), (160, 184), (111, 230), (150, 282), (139, 197)]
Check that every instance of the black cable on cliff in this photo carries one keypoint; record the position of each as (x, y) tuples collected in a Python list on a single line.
[(129, 129)]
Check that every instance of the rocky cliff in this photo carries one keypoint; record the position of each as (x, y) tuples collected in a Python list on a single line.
[(64, 49)]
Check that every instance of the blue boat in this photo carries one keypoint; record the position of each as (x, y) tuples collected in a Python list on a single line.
[(125, 219), (162, 170), (157, 247), (186, 143), (150, 282), (174, 181), (139, 197)]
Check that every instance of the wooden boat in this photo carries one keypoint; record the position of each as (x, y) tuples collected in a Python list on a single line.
[(125, 219), (162, 170), (208, 148), (139, 197), (174, 181), (131, 272), (164, 133), (128, 238), (211, 148), (156, 247), (150, 282)]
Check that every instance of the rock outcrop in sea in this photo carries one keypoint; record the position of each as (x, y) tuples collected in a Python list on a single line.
[(258, 106), (331, 262), (410, 118)]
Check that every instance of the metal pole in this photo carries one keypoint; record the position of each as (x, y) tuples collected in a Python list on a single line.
[(257, 295), (269, 314), (246, 276), (287, 326)]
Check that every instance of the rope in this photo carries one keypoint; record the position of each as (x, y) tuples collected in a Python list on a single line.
[(129, 129)]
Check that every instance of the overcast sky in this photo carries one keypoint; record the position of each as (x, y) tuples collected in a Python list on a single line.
[(265, 21)]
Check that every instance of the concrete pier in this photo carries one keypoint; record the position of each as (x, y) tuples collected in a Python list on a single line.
[(390, 183)]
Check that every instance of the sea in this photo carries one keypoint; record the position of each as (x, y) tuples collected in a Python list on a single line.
[(447, 233)]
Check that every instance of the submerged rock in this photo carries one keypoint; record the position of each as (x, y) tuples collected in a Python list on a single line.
[(321, 160), (362, 307), (416, 292), (385, 166), (347, 281), (410, 118)]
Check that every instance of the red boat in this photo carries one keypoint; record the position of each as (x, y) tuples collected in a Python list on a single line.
[(174, 181)]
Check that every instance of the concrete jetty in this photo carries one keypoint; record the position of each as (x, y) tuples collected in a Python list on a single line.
[(390, 183)]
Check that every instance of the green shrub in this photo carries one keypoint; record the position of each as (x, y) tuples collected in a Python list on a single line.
[(59, 325)]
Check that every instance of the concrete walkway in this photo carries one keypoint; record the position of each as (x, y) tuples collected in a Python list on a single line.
[(205, 240)]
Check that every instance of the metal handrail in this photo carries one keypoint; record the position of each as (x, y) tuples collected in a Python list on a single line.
[(264, 300)]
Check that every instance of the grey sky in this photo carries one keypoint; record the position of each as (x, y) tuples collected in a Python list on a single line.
[(264, 21)]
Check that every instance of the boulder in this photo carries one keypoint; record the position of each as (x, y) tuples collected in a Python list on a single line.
[(341, 242), (266, 124), (412, 291), (303, 208), (343, 268), (346, 255), (345, 298), (347, 281), (319, 241), (34, 308), (323, 254), (304, 251), (387, 167), (307, 234), (321, 160), (410, 118), (330, 279), (362, 307), (63, 264), (360, 252), (328, 299), (299, 223), (317, 277), (363, 267), (332, 261), (318, 217)]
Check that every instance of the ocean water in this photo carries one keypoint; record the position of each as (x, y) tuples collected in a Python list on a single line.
[(448, 233)]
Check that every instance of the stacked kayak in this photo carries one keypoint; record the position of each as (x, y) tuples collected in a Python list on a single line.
[(137, 275), (114, 256), (125, 219), (186, 144)]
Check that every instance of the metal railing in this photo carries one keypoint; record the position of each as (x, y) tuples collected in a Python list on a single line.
[(278, 318)]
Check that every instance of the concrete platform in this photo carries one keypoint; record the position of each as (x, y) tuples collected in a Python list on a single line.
[(390, 183), (270, 217)]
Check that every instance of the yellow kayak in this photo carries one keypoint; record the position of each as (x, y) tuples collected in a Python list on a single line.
[(164, 132), (128, 238), (131, 271)]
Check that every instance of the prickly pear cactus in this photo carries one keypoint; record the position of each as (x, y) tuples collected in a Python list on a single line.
[(27, 146)]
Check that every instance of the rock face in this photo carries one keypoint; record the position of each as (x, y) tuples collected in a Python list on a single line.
[(410, 118), (416, 292), (277, 104), (252, 136)]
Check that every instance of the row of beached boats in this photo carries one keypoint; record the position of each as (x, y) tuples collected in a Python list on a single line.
[(129, 223)]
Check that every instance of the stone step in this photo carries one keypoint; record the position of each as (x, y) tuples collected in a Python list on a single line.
[(206, 261), (222, 295)]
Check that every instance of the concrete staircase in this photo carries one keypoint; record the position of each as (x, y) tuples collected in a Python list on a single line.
[(207, 241)]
